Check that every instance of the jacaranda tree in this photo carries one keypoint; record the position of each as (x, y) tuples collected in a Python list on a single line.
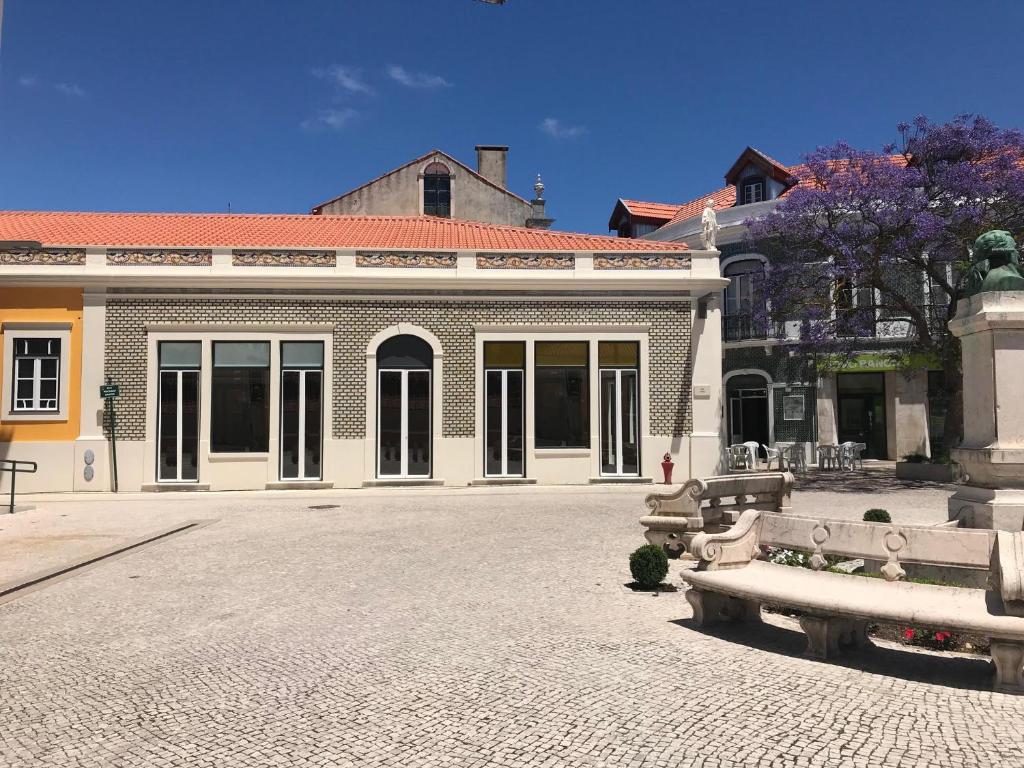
[(869, 251)]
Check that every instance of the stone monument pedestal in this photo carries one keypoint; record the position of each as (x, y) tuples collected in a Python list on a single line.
[(990, 326)]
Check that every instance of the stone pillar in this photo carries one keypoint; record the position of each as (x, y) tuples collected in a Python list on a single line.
[(908, 429), (827, 433), (990, 327)]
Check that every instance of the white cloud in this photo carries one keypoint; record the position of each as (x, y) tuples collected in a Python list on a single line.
[(28, 81), (346, 78), (330, 119), (557, 129), (70, 89), (416, 79)]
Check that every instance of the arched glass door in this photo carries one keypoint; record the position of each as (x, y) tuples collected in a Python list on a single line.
[(404, 405)]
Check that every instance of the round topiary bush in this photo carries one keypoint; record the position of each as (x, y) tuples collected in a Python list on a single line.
[(649, 565), (877, 516)]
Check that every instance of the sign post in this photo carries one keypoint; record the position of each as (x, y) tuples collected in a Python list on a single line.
[(108, 392)]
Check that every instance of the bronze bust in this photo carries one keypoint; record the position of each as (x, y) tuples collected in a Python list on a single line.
[(996, 265)]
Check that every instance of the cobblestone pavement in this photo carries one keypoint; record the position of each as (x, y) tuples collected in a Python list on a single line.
[(449, 629)]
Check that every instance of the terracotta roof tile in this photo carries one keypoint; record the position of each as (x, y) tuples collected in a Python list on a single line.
[(726, 197), (209, 230), (647, 210)]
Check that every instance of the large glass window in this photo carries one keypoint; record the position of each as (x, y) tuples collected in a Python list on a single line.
[(744, 302), (620, 407), (437, 191), (504, 364), (239, 402), (36, 374), (178, 411), (302, 365), (562, 394)]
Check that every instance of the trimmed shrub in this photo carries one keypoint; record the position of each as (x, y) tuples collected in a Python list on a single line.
[(649, 565), (877, 516)]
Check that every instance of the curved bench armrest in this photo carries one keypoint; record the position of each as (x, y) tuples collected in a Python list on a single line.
[(733, 548), (683, 502), (1008, 570)]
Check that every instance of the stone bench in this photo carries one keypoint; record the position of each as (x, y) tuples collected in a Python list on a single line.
[(711, 504), (729, 583)]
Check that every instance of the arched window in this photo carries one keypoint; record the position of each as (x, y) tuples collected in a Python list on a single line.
[(405, 352), (744, 301), (404, 403), (437, 191)]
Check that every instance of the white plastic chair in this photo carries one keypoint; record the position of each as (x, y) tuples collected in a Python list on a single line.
[(773, 454), (752, 448), (738, 457)]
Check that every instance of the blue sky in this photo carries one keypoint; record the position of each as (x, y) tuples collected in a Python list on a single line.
[(273, 106)]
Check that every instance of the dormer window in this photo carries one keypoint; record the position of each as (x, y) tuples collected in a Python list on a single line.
[(751, 190), (437, 191)]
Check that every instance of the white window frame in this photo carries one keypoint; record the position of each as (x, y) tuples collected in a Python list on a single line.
[(634, 422), (504, 419), (752, 186), (302, 424), (18, 330), (404, 429)]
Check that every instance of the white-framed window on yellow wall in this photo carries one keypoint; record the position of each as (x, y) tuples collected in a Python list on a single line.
[(35, 365)]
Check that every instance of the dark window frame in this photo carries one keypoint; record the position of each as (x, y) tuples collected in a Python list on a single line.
[(437, 192), (36, 380), (540, 421), (218, 444)]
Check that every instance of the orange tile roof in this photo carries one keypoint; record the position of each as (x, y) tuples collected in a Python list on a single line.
[(230, 230), (726, 197), (646, 210)]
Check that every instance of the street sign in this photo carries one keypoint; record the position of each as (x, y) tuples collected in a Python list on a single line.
[(109, 390)]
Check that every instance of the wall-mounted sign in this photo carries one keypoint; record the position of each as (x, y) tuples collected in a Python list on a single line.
[(109, 390), (702, 390), (793, 408)]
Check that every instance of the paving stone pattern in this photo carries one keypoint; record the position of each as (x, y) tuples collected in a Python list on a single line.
[(357, 322), (449, 629)]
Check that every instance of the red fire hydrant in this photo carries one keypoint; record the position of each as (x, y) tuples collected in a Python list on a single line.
[(666, 467)]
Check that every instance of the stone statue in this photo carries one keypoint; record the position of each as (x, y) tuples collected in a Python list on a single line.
[(996, 265), (709, 225)]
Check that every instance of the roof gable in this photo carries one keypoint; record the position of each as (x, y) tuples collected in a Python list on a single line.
[(772, 168), (640, 209), (316, 209)]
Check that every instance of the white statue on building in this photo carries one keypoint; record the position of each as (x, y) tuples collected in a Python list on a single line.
[(709, 225)]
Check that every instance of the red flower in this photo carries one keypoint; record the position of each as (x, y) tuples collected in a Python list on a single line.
[(942, 637), (908, 634)]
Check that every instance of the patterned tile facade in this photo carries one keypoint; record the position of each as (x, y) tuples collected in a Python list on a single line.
[(159, 258), (641, 261), (525, 261), (356, 322), (283, 258), (405, 259), (30, 257)]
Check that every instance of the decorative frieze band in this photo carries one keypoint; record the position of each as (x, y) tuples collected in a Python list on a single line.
[(30, 257), (525, 261), (160, 258), (283, 259), (641, 261), (405, 259)]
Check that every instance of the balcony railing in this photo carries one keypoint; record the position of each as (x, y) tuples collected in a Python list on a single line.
[(744, 327)]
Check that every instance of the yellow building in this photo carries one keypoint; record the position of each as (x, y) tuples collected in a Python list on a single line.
[(41, 371)]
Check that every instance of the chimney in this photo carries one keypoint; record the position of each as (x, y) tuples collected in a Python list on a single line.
[(492, 163)]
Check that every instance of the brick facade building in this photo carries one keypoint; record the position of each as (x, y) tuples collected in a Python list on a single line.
[(319, 351)]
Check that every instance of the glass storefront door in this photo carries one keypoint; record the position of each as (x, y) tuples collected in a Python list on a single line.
[(503, 427), (301, 409), (620, 407), (861, 415), (178, 412), (403, 423)]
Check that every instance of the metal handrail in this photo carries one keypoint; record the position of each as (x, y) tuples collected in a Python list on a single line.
[(14, 470)]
